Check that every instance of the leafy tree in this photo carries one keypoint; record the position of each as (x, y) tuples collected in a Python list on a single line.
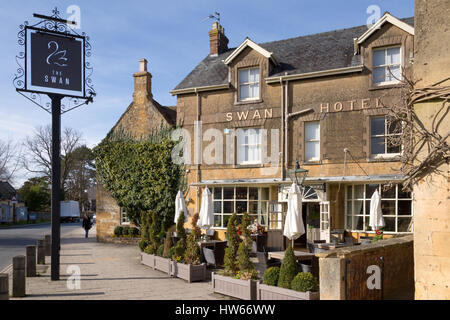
[(192, 255), (289, 268), (36, 193), (231, 264)]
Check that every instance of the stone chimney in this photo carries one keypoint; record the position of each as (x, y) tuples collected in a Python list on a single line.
[(218, 42), (142, 83)]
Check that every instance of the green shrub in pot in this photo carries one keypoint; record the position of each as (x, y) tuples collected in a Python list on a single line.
[(271, 276), (305, 281)]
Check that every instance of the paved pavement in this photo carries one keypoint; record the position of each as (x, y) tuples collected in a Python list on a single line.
[(13, 240), (110, 271)]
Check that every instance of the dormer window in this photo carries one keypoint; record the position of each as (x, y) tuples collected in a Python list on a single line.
[(387, 66), (249, 84)]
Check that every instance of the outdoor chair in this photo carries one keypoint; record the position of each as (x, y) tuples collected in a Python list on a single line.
[(209, 256), (210, 234), (264, 263), (219, 252)]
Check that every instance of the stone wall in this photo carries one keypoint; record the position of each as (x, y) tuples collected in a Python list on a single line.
[(431, 205), (397, 278)]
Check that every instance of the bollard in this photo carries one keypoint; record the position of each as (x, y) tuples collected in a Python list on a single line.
[(18, 276), (31, 261), (48, 245), (40, 252), (4, 286)]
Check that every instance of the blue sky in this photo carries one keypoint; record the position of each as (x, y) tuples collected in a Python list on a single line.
[(170, 34)]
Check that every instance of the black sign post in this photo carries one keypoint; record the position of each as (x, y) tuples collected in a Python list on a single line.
[(54, 65)]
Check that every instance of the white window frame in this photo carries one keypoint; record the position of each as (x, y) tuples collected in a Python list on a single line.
[(241, 84), (234, 200), (311, 141), (386, 66), (124, 220), (385, 137), (366, 215), (241, 145)]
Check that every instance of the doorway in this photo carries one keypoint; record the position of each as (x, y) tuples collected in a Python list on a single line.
[(311, 220)]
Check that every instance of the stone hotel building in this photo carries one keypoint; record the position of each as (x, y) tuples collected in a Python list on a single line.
[(316, 100), (254, 111)]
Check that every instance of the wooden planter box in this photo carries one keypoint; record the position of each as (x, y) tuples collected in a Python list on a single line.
[(265, 292), (188, 272), (162, 264), (241, 289), (148, 259)]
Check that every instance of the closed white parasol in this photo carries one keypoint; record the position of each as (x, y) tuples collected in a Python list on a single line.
[(206, 219), (180, 205), (376, 220), (293, 226)]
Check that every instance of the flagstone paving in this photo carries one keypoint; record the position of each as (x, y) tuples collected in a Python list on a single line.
[(110, 271)]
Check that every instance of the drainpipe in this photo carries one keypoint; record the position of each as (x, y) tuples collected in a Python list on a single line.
[(286, 112), (198, 165), (282, 128)]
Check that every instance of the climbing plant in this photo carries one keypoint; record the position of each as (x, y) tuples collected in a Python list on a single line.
[(139, 173)]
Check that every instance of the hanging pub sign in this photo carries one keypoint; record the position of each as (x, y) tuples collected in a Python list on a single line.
[(52, 67), (56, 63)]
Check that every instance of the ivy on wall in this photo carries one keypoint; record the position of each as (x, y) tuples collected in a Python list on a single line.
[(139, 173)]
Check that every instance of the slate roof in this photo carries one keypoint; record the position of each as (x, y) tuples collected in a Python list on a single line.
[(317, 52), (7, 191)]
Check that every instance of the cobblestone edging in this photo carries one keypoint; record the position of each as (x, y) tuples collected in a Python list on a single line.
[(119, 240)]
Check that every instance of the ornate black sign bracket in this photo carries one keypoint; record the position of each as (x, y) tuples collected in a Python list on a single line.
[(53, 25)]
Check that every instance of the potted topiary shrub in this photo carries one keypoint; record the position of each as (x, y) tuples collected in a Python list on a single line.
[(146, 245), (287, 283), (238, 277), (188, 266), (118, 231), (161, 263)]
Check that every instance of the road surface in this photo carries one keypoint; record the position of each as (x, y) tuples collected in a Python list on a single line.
[(14, 240)]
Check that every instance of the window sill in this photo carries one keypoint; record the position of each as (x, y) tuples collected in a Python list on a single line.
[(249, 165), (384, 158), (245, 102), (391, 85), (312, 163)]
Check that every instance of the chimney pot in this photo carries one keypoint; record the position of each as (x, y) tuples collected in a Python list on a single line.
[(143, 65), (142, 83)]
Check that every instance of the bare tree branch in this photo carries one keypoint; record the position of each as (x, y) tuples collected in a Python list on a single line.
[(414, 135), (39, 150)]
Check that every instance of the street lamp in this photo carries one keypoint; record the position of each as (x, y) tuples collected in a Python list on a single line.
[(298, 174)]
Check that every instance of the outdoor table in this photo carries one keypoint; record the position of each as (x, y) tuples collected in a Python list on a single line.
[(300, 255), (333, 245)]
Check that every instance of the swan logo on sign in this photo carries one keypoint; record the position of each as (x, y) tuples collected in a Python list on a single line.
[(56, 62)]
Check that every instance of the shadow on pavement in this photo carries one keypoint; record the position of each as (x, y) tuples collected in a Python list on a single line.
[(66, 294), (131, 278)]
